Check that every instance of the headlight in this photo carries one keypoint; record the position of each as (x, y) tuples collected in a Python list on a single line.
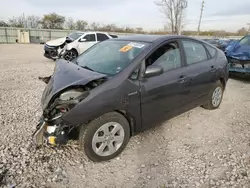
[(71, 94)]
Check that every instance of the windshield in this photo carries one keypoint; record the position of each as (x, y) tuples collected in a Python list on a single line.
[(245, 41), (111, 56), (75, 35)]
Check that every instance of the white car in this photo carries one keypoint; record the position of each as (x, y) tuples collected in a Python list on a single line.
[(73, 45)]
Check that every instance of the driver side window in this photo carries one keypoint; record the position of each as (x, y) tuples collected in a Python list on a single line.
[(90, 38), (167, 56)]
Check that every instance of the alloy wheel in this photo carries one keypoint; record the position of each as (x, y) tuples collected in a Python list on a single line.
[(217, 96), (108, 139)]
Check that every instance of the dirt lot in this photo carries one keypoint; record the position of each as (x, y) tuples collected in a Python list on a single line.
[(197, 149)]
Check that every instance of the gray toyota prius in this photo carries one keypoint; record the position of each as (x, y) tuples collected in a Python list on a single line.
[(123, 86)]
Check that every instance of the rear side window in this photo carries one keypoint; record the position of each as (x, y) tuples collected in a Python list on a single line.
[(101, 37), (195, 52), (211, 50), (90, 38)]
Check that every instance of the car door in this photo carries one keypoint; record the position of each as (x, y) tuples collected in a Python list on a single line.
[(200, 69), (90, 40), (162, 96)]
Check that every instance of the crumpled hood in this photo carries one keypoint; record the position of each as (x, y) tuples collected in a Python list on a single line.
[(67, 74), (56, 42), (239, 52)]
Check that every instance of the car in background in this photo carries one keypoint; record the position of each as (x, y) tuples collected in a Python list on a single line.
[(71, 46), (238, 55), (222, 44), (214, 42), (121, 87)]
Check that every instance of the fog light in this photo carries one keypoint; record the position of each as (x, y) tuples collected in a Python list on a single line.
[(52, 140)]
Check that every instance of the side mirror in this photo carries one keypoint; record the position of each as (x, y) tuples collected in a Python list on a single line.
[(82, 40), (153, 70)]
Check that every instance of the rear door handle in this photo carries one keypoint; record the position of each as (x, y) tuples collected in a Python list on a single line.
[(182, 79), (213, 69)]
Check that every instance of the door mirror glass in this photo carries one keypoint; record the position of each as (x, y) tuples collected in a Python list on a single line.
[(82, 40), (153, 70)]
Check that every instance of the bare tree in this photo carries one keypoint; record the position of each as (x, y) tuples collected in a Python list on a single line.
[(70, 24), (172, 10), (33, 21), (139, 30), (94, 26), (108, 27), (242, 32), (3, 24), (17, 21), (81, 25), (52, 21)]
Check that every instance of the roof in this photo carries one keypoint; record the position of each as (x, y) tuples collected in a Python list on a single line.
[(89, 32), (143, 38), (152, 38)]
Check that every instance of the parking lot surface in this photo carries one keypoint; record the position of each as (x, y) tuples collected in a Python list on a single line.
[(200, 148)]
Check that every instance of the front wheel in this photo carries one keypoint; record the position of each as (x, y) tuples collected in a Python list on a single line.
[(70, 55), (215, 97), (105, 137)]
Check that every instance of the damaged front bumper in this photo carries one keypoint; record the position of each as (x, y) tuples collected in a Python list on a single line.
[(53, 52), (50, 133), (239, 66), (53, 130)]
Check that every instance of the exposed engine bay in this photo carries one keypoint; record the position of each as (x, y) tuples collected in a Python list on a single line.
[(51, 129)]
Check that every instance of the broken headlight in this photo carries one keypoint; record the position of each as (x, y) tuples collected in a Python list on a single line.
[(66, 101)]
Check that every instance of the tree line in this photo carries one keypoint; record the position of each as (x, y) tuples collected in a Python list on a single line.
[(56, 21)]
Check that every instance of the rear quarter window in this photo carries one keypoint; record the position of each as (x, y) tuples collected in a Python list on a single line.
[(211, 50)]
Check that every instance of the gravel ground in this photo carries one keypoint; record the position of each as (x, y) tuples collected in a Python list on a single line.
[(197, 149)]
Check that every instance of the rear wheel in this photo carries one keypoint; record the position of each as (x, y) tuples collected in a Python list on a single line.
[(215, 97), (105, 137), (70, 55)]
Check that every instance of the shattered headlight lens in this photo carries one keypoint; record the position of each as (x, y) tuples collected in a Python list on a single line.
[(71, 94)]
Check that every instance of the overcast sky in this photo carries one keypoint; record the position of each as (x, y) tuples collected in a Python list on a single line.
[(218, 14)]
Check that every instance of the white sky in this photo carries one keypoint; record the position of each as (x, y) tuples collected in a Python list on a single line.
[(229, 15)]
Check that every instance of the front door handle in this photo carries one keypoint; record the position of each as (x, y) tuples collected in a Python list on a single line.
[(182, 79), (133, 93)]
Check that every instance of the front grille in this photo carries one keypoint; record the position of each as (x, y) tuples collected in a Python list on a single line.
[(50, 47)]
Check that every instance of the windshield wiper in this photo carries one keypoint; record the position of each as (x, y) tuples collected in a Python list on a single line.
[(86, 67)]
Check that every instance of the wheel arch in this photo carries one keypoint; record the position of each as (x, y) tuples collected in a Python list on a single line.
[(74, 49), (127, 116), (130, 119), (223, 82)]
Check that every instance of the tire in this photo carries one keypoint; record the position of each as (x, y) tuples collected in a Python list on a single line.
[(70, 55), (210, 105), (92, 137)]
